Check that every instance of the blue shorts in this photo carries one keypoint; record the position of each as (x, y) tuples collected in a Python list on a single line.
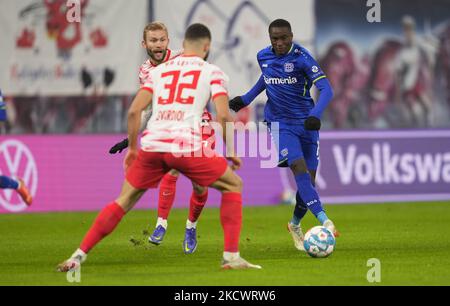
[(294, 142), (2, 114)]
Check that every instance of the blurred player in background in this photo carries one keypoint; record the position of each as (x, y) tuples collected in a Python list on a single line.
[(415, 65), (3, 116), (156, 42), (288, 72), (19, 186), (5, 181), (178, 92)]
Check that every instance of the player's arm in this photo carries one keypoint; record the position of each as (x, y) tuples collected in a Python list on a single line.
[(222, 117), (122, 145), (315, 74), (325, 96), (239, 102), (140, 102)]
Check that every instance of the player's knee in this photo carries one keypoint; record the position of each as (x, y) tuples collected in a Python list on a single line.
[(125, 203), (237, 183), (234, 184), (313, 174), (174, 173), (299, 167), (199, 189)]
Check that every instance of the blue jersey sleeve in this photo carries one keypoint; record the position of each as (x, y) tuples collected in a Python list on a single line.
[(254, 91), (316, 76), (325, 97), (310, 67)]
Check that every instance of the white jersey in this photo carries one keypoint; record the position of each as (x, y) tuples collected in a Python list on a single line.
[(412, 58), (181, 90), (408, 62), (147, 66), (144, 72)]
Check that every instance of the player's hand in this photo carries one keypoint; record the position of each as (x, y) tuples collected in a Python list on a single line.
[(119, 147), (237, 104), (237, 163), (312, 123), (129, 158)]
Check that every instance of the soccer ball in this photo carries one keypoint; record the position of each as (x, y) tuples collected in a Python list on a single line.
[(319, 242)]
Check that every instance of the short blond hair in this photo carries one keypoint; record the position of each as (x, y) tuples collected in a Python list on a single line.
[(155, 26)]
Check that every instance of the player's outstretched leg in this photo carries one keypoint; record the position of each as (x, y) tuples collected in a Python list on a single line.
[(106, 221), (309, 195), (198, 201), (294, 226), (230, 185), (167, 190), (19, 186)]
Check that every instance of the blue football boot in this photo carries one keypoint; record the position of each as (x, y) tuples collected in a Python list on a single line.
[(158, 235), (190, 241)]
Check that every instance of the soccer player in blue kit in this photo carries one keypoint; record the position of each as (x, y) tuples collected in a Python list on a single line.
[(288, 72)]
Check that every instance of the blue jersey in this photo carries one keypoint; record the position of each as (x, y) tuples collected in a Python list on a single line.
[(288, 81)]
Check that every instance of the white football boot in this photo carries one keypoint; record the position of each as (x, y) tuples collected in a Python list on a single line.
[(73, 263), (297, 236), (329, 225), (236, 262)]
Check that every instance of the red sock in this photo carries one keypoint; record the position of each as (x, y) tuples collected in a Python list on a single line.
[(196, 205), (105, 223), (167, 189), (231, 219)]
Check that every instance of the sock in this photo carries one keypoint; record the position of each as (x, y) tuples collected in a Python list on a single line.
[(167, 190), (79, 253), (190, 225), (8, 183), (299, 211), (231, 220), (322, 217), (229, 256), (105, 223), (308, 193), (196, 205), (162, 222)]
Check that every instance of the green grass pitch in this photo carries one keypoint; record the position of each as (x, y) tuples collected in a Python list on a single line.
[(411, 241)]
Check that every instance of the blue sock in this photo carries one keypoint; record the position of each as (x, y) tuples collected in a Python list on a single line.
[(322, 217), (8, 183), (300, 210), (309, 194)]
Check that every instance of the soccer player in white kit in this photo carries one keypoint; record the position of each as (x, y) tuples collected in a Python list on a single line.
[(178, 92), (155, 42), (414, 66)]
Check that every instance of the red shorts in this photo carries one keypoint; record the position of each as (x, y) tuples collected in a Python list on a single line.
[(414, 93), (149, 168)]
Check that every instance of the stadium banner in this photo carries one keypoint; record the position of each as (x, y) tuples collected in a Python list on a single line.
[(391, 74), (46, 51), (239, 31), (382, 166), (76, 173)]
